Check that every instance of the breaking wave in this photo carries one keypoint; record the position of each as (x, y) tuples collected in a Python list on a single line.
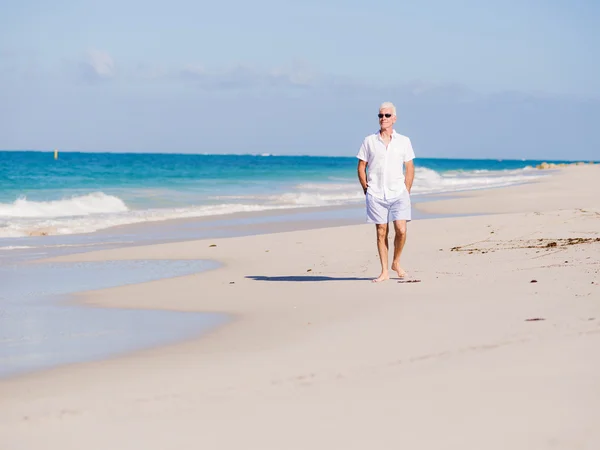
[(97, 210)]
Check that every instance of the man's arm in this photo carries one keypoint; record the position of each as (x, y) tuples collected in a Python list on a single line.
[(409, 174), (362, 174)]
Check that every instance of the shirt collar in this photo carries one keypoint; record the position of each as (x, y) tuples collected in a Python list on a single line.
[(394, 134)]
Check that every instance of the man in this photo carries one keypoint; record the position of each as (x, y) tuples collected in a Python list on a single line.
[(387, 155)]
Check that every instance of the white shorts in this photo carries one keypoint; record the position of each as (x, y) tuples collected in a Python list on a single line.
[(382, 211)]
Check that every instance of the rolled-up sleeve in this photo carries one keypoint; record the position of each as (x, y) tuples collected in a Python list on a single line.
[(363, 152), (409, 153)]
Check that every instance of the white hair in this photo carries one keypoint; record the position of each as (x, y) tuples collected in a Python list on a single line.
[(386, 105)]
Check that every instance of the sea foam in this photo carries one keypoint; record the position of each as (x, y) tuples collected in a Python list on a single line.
[(93, 203)]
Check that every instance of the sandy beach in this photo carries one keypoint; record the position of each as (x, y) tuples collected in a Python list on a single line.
[(494, 345)]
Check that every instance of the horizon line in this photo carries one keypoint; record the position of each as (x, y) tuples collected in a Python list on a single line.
[(266, 154)]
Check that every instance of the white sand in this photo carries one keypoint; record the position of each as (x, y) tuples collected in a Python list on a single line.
[(319, 360)]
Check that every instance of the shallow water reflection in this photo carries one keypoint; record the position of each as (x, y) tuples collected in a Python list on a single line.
[(38, 332)]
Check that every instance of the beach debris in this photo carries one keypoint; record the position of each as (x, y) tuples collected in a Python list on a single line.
[(309, 270), (534, 319), (533, 281), (38, 233), (545, 165), (515, 244), (411, 280), (212, 245), (232, 282)]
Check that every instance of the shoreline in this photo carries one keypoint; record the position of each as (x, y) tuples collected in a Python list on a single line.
[(293, 357), (185, 229), (266, 215)]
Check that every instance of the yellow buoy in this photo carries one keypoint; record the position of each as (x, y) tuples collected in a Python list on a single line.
[(55, 154)]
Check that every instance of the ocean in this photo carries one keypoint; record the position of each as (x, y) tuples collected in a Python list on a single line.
[(86, 192)]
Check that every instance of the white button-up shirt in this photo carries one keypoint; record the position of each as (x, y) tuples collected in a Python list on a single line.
[(385, 166)]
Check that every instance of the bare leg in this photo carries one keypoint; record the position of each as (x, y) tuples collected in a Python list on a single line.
[(382, 248), (399, 240)]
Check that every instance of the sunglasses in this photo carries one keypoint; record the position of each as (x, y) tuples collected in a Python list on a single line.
[(382, 115)]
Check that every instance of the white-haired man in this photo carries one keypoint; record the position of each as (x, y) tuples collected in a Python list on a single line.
[(386, 172)]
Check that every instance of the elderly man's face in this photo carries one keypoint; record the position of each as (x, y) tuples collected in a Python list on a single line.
[(386, 117)]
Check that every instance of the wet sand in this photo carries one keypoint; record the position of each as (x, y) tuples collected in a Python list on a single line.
[(41, 328)]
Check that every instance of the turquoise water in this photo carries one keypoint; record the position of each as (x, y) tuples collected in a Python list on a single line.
[(86, 192)]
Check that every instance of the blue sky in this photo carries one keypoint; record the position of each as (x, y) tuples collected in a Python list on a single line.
[(489, 79)]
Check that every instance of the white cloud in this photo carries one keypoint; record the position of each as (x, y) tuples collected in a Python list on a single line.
[(98, 65), (248, 77), (299, 73)]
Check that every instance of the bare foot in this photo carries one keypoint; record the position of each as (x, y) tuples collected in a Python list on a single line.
[(384, 276), (399, 270)]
